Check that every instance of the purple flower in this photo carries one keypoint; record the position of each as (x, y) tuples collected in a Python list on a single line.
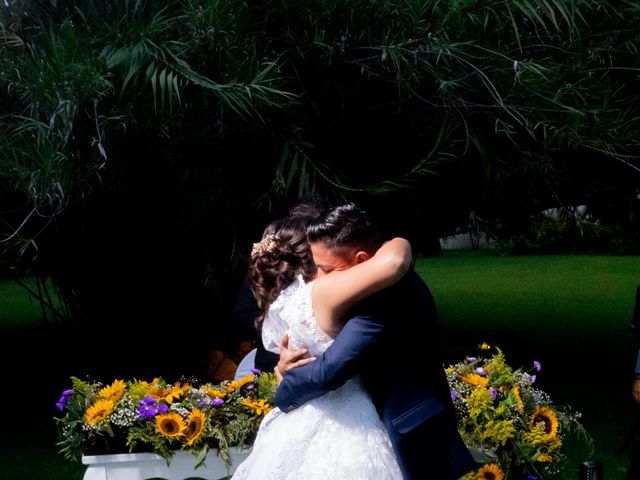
[(148, 400), (217, 402), (146, 412), (250, 386), (64, 399), (162, 408), (471, 359), (537, 366), (480, 371), (454, 395), (255, 371), (533, 379), (531, 477), (494, 393)]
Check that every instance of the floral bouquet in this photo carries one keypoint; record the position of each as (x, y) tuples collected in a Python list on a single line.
[(511, 426), (160, 417)]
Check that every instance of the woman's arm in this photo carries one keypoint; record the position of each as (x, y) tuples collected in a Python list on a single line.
[(334, 293)]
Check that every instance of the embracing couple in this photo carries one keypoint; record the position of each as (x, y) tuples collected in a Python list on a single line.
[(362, 393)]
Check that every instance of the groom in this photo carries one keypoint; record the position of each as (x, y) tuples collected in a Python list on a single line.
[(391, 341)]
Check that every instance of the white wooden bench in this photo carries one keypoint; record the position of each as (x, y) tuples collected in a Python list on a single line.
[(143, 466)]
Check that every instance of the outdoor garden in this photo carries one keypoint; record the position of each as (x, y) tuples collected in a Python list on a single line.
[(144, 146)]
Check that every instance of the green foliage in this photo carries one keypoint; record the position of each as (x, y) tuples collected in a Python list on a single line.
[(235, 109)]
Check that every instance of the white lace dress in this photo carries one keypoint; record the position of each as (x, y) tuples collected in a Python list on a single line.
[(338, 436)]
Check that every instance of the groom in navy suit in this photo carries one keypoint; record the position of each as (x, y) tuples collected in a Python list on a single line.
[(391, 340)]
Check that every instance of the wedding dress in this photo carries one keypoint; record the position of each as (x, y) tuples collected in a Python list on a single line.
[(338, 436)]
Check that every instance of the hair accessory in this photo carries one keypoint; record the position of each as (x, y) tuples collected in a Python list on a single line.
[(267, 245)]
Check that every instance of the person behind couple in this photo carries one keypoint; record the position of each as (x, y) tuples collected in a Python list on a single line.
[(391, 341), (340, 434)]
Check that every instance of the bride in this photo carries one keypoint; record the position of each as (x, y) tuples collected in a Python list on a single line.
[(338, 435)]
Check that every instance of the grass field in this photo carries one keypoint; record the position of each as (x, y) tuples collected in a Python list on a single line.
[(571, 313)]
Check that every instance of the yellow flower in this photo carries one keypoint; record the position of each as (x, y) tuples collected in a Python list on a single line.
[(485, 346), (499, 431), (516, 394), (170, 424), (479, 402), (475, 379), (544, 458), (195, 426), (178, 390), (548, 418), (99, 411), (113, 392), (259, 406), (240, 383), (213, 392), (170, 394), (490, 471)]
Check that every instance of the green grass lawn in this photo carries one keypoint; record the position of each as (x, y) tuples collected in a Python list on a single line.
[(571, 313)]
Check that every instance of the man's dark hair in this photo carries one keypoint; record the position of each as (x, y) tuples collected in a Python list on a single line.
[(345, 226), (311, 206)]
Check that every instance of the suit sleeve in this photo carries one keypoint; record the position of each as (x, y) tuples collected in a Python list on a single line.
[(340, 362)]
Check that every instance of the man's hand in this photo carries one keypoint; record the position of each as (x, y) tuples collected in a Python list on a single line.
[(635, 390), (290, 358)]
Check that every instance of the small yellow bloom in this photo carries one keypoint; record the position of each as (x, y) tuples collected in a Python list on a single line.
[(485, 346), (544, 458), (516, 394)]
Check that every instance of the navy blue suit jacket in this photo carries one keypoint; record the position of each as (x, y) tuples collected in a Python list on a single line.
[(392, 341)]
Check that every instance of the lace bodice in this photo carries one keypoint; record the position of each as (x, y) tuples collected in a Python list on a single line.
[(338, 435), (292, 314)]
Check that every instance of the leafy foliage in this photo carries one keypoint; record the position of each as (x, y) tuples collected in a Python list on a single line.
[(124, 120)]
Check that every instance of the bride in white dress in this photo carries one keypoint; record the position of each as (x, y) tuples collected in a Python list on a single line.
[(338, 435)]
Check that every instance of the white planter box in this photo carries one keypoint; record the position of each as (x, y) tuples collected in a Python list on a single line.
[(142, 466)]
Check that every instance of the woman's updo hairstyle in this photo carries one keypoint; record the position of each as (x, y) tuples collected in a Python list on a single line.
[(282, 254)]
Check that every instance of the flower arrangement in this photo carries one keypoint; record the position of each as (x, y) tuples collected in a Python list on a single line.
[(161, 417), (514, 428)]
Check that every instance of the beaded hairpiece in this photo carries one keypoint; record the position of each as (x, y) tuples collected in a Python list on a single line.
[(267, 245)]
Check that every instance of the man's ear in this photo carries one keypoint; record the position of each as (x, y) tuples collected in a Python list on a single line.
[(362, 256)]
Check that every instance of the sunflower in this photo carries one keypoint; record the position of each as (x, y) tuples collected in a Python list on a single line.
[(195, 426), (475, 379), (178, 390), (259, 406), (516, 394), (490, 471), (99, 411), (213, 392), (113, 392), (544, 458), (547, 417), (170, 424), (240, 383)]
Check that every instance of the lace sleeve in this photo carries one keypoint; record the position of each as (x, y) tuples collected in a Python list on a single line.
[(278, 319), (273, 329)]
